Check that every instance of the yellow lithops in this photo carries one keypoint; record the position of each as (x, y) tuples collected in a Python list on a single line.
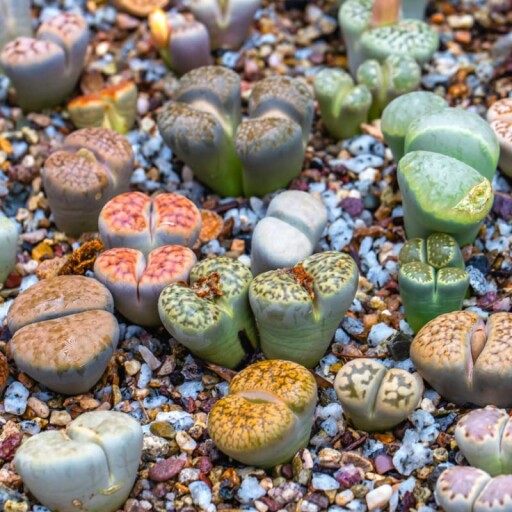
[(267, 415)]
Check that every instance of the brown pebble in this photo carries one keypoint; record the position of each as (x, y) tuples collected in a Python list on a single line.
[(166, 469)]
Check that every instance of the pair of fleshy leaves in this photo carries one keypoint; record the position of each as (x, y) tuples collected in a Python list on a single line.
[(499, 116)]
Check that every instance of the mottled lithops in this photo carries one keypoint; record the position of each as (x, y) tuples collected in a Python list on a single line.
[(298, 310), (457, 133), (45, 70), (467, 489), (267, 415), (212, 316), (140, 8), (432, 279), (292, 227), (136, 221), (114, 107), (64, 332), (15, 20), (90, 466), (92, 166), (499, 116), (401, 112), (484, 437), (375, 398), (442, 194), (465, 360), (344, 106), (9, 245), (136, 283)]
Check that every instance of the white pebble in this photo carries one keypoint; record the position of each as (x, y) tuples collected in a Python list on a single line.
[(379, 498), (379, 333), (201, 494), (322, 482), (144, 376), (250, 490), (15, 400)]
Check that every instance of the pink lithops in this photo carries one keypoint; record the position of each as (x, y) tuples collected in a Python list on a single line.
[(136, 283), (468, 489), (500, 117), (137, 221)]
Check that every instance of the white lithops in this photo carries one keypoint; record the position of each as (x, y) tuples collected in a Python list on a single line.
[(499, 116)]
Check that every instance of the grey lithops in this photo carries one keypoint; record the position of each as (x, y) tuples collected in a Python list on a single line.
[(289, 232), (298, 310), (375, 398), (499, 116), (484, 437), (92, 166), (212, 316), (15, 20), (9, 245), (90, 466), (53, 61)]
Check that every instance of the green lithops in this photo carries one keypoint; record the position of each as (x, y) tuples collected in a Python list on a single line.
[(440, 193), (432, 278), (397, 75), (9, 244), (343, 105), (297, 310), (211, 316)]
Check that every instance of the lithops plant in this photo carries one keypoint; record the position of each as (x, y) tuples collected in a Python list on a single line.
[(298, 310), (344, 106), (267, 415), (289, 232), (140, 8), (401, 112), (212, 316), (139, 222), (375, 398), (499, 116), (9, 245), (465, 360), (442, 194), (228, 21), (183, 43), (64, 332), (92, 166), (397, 75), (414, 9), (432, 279), (484, 437), (136, 283), (57, 465), (114, 107), (457, 133), (45, 70), (15, 20), (468, 489)]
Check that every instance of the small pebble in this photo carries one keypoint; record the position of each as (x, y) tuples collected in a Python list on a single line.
[(379, 498), (15, 399)]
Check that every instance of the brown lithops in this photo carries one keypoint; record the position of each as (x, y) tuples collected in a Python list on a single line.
[(134, 220), (92, 166), (500, 117), (465, 360), (64, 332), (136, 283), (267, 415)]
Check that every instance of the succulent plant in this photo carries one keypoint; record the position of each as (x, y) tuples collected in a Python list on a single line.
[(400, 113), (375, 398), (183, 43), (140, 8), (467, 489), (212, 316), (343, 105), (92, 166), (136, 221), (57, 466), (431, 278), (397, 75), (457, 133), (499, 116), (136, 283), (267, 415), (292, 227), (228, 21), (442, 194), (298, 310), (15, 20), (253, 158), (414, 9), (64, 332), (9, 245), (465, 360), (114, 107), (484, 437), (53, 61)]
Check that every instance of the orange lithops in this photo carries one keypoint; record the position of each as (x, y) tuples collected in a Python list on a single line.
[(267, 415), (134, 220), (136, 283)]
